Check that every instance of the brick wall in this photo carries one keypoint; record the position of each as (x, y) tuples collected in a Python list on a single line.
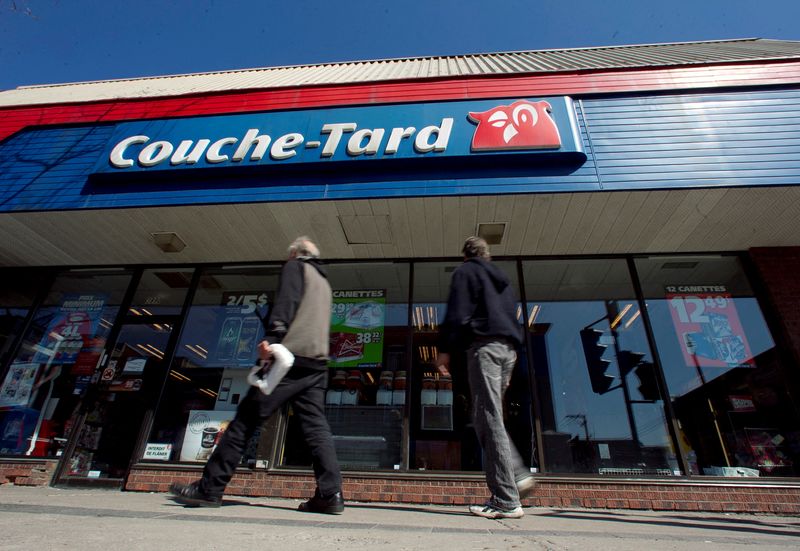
[(679, 496), (778, 268), (27, 473)]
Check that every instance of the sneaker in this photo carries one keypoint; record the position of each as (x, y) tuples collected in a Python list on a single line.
[(526, 486), (491, 511), (331, 505), (191, 495)]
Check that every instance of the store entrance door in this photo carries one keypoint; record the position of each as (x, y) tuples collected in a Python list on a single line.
[(118, 406)]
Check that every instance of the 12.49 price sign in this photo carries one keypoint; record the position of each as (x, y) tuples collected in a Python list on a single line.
[(708, 326)]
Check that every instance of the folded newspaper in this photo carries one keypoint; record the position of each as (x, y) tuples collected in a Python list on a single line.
[(267, 374)]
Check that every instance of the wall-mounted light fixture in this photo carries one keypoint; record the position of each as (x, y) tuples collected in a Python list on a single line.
[(168, 241)]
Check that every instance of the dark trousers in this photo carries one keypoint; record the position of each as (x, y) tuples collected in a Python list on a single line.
[(305, 389)]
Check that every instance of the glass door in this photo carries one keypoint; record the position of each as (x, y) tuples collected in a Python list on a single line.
[(122, 398)]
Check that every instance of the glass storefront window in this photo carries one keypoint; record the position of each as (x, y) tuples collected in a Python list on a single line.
[(442, 437), (54, 365), (601, 409), (728, 386), (216, 349), (17, 295), (161, 291), (366, 398)]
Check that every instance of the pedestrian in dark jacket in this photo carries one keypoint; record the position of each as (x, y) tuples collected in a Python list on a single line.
[(481, 318), (300, 321)]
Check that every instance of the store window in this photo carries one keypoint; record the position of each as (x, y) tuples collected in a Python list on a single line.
[(52, 369), (735, 407), (366, 399), (161, 291), (442, 435), (215, 351), (601, 408), (17, 295)]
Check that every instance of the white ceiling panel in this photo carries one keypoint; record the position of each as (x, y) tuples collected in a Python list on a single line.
[(696, 220)]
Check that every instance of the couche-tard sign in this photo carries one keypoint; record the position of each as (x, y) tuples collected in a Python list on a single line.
[(444, 129)]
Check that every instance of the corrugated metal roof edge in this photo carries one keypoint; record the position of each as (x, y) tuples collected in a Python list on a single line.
[(420, 58), (485, 76)]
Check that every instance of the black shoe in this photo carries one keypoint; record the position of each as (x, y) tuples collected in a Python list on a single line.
[(191, 495), (331, 505)]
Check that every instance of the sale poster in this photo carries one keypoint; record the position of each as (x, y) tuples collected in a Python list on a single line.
[(73, 327), (357, 325), (708, 326)]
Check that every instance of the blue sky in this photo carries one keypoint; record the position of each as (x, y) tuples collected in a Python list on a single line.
[(54, 41)]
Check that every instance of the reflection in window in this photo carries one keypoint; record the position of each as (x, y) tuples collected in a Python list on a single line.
[(54, 365), (601, 409), (727, 383), (217, 347), (161, 291)]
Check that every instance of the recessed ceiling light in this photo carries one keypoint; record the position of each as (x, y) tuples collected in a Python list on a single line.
[(492, 232), (168, 241)]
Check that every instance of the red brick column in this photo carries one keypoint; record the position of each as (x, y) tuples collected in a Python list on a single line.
[(779, 270)]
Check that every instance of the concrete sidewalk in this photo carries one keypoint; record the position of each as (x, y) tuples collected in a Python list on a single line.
[(50, 518)]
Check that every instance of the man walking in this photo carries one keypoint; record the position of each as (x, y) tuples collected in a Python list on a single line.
[(300, 321), (481, 318)]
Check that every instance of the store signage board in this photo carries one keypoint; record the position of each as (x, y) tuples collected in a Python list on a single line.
[(529, 126)]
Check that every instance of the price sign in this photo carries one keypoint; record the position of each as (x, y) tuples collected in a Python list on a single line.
[(244, 303), (708, 326), (357, 324)]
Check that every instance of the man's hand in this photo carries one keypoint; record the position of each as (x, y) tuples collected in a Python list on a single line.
[(443, 363), (264, 351)]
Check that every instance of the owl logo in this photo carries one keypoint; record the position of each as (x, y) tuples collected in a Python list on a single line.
[(521, 125)]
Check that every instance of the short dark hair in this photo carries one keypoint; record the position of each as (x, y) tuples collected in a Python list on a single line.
[(476, 247)]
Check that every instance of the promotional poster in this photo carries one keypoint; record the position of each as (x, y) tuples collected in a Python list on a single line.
[(357, 322), (203, 432), (708, 326), (75, 324)]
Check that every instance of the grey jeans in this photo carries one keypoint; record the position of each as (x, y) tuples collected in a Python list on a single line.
[(489, 365)]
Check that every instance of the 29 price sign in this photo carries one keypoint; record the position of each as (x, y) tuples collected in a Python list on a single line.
[(708, 326)]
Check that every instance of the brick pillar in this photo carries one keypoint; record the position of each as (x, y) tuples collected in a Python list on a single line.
[(779, 270)]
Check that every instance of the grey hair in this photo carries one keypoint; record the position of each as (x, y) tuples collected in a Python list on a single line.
[(303, 246), (476, 247)]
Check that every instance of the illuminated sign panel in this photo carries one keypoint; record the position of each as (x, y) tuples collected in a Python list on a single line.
[(371, 133)]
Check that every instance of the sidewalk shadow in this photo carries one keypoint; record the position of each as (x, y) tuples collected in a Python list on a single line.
[(370, 506), (225, 503), (681, 521)]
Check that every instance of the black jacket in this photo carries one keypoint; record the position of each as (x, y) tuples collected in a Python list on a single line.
[(482, 303)]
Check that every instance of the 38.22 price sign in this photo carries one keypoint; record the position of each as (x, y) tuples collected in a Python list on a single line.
[(708, 326)]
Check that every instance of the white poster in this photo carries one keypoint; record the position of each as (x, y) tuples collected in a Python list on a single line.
[(203, 432), (18, 385)]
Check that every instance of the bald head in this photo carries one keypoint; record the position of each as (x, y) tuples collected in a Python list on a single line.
[(303, 247)]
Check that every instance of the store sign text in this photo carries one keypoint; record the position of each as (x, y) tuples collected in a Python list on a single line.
[(255, 145)]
